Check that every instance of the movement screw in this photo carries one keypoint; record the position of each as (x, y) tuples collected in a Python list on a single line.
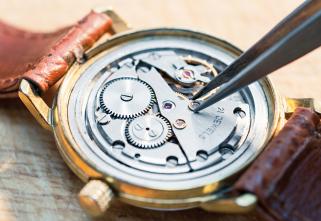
[(180, 124)]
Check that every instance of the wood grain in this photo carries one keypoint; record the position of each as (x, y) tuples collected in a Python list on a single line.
[(35, 183)]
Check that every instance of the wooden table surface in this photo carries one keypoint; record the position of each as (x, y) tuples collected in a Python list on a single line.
[(35, 183)]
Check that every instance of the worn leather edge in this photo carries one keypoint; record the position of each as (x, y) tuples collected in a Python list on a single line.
[(12, 42), (71, 47), (54, 64), (276, 176)]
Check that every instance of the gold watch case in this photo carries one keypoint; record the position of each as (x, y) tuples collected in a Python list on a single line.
[(101, 188)]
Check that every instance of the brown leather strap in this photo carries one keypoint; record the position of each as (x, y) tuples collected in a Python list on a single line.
[(286, 177), (44, 58)]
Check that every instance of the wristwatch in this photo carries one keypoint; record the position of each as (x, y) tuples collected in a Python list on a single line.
[(123, 123)]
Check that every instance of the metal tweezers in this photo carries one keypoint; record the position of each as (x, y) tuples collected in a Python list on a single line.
[(295, 36)]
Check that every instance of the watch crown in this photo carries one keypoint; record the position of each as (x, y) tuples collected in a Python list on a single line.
[(95, 197)]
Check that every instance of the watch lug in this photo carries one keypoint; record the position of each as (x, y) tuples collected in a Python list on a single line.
[(292, 103), (35, 104), (95, 197), (240, 204), (119, 24)]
